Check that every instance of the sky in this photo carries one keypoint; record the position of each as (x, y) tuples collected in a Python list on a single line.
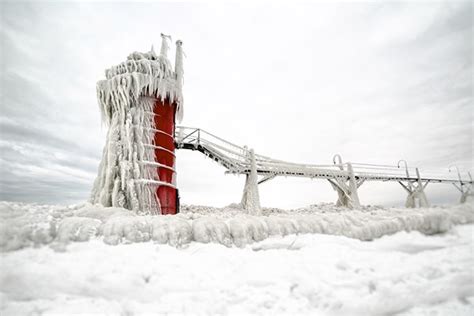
[(375, 82)]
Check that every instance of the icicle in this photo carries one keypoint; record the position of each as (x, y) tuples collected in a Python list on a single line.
[(115, 193), (133, 198)]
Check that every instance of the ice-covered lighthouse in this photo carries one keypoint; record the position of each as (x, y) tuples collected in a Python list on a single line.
[(140, 101)]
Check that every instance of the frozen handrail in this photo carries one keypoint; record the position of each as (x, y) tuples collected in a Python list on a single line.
[(235, 159)]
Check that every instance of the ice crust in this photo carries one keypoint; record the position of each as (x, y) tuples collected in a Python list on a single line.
[(27, 225)]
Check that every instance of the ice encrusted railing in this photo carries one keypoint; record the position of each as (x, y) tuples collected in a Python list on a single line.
[(236, 159), (397, 173), (230, 155)]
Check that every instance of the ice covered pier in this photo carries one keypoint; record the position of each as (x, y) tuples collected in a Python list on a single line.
[(141, 99), (345, 178)]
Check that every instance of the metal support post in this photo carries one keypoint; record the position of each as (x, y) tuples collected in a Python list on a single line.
[(464, 187), (415, 189), (346, 188), (250, 198)]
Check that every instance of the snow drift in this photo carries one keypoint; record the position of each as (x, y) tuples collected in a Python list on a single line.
[(26, 225), (310, 274)]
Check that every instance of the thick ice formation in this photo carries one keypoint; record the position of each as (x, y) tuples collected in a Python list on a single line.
[(25, 225), (142, 74), (126, 100)]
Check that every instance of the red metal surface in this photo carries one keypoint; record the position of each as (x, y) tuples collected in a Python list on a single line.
[(165, 124)]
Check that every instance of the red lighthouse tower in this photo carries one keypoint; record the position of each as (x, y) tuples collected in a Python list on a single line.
[(141, 100), (165, 122), (165, 155)]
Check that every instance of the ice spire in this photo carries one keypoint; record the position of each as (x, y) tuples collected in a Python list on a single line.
[(164, 45), (178, 67), (178, 64)]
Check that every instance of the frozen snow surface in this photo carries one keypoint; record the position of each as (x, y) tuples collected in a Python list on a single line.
[(30, 225), (407, 273)]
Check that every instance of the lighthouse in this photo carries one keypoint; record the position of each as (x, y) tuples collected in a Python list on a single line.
[(141, 100)]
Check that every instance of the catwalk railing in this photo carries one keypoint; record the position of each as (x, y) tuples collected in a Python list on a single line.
[(236, 159)]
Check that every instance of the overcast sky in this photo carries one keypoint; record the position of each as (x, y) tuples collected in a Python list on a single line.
[(374, 82)]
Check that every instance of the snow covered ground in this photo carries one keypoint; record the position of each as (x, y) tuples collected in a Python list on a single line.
[(25, 225), (249, 269)]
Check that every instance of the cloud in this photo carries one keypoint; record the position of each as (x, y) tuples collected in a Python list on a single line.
[(301, 82)]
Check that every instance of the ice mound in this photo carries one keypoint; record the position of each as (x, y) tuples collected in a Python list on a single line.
[(30, 225)]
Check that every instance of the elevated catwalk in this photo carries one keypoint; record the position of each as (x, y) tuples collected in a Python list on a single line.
[(344, 177)]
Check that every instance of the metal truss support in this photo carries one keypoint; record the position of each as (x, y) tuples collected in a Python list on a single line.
[(250, 198), (346, 188), (466, 191), (266, 178), (466, 188), (415, 189)]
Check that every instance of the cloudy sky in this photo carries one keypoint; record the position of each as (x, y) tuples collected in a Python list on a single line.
[(374, 82)]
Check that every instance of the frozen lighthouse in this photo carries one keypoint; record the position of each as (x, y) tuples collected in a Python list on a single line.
[(140, 100)]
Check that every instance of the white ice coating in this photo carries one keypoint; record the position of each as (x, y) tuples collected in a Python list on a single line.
[(127, 174), (142, 74), (124, 166)]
